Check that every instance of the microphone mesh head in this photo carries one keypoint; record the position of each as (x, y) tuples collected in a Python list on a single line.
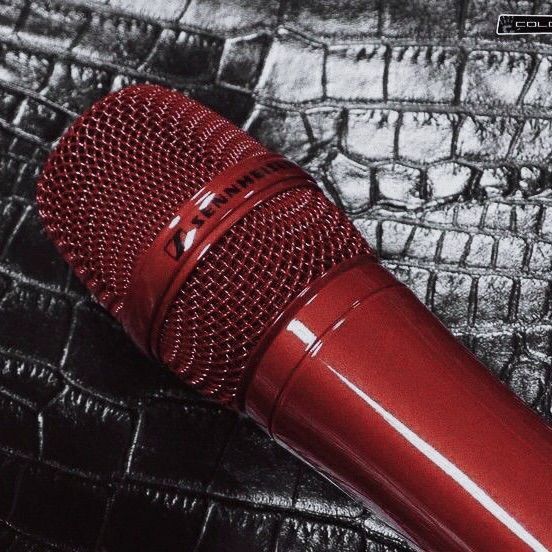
[(122, 170), (118, 176)]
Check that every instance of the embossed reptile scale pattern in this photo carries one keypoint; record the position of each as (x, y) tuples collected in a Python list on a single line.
[(432, 134)]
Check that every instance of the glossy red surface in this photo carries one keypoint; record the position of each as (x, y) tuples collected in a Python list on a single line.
[(358, 362)]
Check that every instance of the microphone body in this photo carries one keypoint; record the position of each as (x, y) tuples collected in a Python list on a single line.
[(363, 382), (225, 262)]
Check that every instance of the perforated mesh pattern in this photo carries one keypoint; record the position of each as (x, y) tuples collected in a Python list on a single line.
[(120, 173), (118, 176)]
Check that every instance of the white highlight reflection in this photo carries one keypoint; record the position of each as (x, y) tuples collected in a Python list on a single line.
[(206, 200), (449, 468), (174, 221), (297, 328), (189, 239)]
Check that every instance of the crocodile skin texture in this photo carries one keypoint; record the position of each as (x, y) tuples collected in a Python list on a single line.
[(433, 134)]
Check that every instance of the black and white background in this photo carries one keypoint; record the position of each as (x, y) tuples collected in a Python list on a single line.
[(435, 136)]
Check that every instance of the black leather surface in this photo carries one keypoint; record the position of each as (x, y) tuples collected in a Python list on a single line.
[(434, 135)]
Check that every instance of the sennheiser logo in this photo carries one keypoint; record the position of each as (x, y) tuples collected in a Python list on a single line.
[(212, 204), (520, 24)]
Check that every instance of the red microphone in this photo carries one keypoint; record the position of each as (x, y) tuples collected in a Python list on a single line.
[(226, 262)]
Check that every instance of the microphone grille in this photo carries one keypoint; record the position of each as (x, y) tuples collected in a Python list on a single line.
[(116, 179), (120, 172)]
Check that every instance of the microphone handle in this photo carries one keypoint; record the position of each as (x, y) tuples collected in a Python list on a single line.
[(362, 381)]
